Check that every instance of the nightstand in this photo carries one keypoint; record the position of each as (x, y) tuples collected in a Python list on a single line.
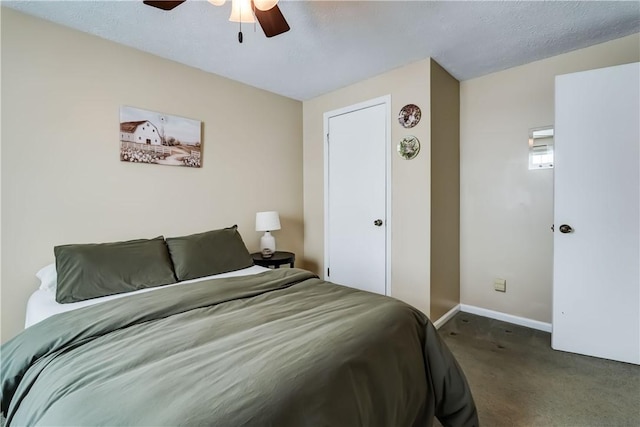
[(279, 258)]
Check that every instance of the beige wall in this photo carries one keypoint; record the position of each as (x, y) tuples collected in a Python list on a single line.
[(62, 181), (507, 210), (410, 179), (445, 191)]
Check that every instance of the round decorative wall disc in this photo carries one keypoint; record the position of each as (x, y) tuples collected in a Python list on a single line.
[(409, 115), (409, 147)]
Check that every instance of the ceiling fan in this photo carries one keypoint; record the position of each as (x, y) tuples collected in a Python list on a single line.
[(266, 12)]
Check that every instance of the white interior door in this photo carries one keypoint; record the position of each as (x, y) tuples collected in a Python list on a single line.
[(596, 273), (356, 185)]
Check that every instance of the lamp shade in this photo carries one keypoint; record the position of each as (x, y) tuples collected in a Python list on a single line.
[(265, 4), (267, 221), (241, 12)]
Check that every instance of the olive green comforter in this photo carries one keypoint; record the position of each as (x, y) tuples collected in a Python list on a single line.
[(281, 348)]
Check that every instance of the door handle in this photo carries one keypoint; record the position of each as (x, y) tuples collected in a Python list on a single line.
[(564, 228), (377, 222)]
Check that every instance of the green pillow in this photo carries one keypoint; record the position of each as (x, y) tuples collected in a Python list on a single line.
[(96, 270), (212, 252)]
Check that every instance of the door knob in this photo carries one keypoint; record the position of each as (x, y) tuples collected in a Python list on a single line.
[(377, 222), (564, 228)]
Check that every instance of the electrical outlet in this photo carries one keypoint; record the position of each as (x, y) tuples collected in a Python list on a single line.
[(500, 285)]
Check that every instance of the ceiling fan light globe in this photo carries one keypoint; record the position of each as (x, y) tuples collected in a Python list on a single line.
[(265, 5), (217, 2), (241, 12)]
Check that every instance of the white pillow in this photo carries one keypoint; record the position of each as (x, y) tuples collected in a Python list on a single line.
[(48, 278)]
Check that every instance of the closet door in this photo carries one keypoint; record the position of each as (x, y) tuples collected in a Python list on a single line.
[(356, 198), (596, 277)]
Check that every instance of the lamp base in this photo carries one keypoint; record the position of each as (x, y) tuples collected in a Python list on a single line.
[(267, 245)]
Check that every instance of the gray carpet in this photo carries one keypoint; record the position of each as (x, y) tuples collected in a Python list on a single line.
[(518, 380)]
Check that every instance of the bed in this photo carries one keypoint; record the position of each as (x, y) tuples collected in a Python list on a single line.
[(251, 347)]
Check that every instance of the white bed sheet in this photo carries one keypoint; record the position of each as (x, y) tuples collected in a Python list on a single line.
[(42, 304)]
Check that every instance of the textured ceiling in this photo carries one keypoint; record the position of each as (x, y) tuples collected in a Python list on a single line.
[(335, 43)]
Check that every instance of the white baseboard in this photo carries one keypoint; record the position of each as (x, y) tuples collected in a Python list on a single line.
[(510, 318), (445, 317)]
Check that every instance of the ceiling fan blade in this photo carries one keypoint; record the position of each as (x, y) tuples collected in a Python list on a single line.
[(163, 4), (272, 21)]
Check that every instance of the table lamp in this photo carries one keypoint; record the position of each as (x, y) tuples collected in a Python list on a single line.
[(267, 222)]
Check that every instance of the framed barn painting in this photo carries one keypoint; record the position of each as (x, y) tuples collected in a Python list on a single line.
[(159, 139)]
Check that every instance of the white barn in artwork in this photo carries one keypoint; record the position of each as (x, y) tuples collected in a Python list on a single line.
[(140, 132)]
